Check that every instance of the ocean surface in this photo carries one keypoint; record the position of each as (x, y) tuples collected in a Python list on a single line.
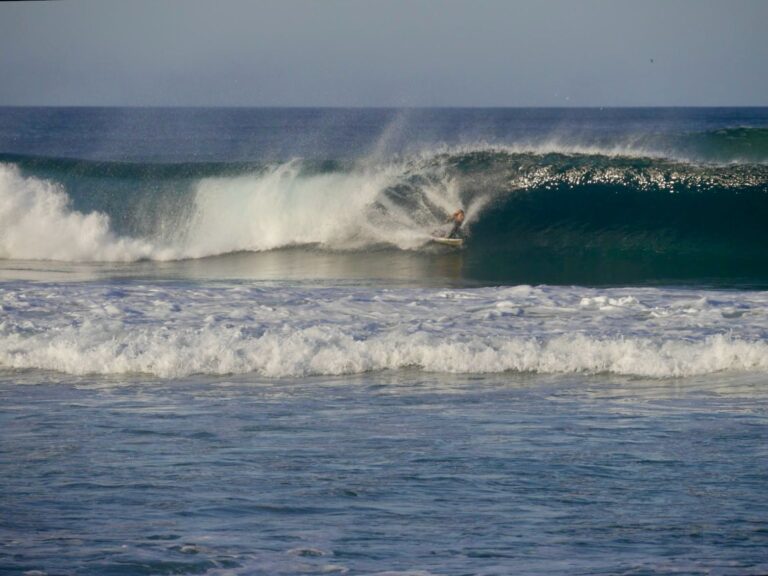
[(228, 345)]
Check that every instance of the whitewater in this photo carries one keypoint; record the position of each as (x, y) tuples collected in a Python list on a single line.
[(285, 331), (274, 209)]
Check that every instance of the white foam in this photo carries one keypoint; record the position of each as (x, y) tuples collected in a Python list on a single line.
[(37, 223), (172, 332), (281, 207), (275, 208)]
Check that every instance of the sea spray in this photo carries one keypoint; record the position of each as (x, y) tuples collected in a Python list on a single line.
[(283, 207), (37, 222)]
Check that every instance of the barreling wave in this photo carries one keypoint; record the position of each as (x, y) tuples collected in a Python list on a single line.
[(522, 206)]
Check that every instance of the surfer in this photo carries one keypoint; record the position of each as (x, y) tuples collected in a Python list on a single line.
[(458, 220)]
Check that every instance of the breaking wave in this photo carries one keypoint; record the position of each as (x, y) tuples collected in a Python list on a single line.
[(520, 205), (173, 332)]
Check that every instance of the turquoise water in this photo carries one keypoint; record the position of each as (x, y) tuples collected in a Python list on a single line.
[(228, 346)]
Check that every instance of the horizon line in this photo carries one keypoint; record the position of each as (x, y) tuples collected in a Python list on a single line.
[(361, 107)]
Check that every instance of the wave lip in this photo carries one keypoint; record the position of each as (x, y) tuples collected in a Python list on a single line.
[(293, 332)]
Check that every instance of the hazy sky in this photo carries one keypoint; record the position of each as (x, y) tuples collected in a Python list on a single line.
[(384, 53)]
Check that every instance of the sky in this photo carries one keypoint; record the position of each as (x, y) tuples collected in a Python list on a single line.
[(384, 53)]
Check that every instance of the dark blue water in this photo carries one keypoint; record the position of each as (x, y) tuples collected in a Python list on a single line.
[(386, 473), (228, 135)]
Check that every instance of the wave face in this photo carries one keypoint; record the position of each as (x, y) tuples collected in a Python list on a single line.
[(604, 215), (623, 218), (170, 331)]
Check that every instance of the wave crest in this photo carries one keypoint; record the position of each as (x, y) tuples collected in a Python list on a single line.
[(514, 200)]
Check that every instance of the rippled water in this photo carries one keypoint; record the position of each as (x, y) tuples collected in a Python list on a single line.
[(392, 472)]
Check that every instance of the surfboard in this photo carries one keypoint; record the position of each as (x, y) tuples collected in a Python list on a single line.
[(455, 242)]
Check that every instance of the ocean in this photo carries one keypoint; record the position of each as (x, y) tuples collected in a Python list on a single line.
[(228, 345)]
